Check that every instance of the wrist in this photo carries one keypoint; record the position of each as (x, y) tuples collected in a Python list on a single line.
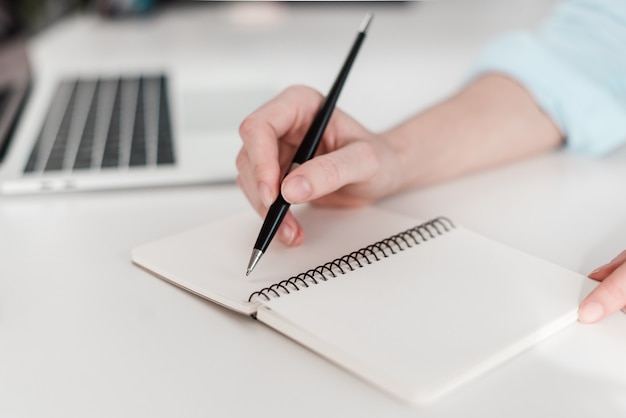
[(491, 121)]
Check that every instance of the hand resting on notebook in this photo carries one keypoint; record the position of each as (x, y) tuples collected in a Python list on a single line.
[(494, 119)]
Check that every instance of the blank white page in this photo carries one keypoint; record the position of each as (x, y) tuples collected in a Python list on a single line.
[(210, 260), (427, 319)]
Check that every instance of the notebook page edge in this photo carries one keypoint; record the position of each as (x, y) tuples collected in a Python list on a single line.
[(246, 308)]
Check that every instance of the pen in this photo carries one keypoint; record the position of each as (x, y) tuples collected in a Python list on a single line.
[(306, 150)]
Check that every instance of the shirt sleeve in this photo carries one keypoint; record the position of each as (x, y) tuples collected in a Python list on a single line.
[(574, 65)]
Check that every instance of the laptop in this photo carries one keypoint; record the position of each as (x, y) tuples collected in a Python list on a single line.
[(78, 131)]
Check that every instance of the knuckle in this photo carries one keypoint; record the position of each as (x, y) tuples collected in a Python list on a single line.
[(295, 89), (301, 90), (248, 126), (262, 172), (241, 161), (298, 89), (245, 167), (331, 170)]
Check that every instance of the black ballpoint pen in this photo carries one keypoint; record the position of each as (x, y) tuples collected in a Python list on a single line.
[(306, 150)]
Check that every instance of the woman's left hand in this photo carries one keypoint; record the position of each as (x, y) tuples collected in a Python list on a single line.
[(610, 295)]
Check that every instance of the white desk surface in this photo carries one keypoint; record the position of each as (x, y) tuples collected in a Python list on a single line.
[(83, 333)]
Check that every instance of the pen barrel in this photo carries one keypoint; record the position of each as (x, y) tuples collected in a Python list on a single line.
[(272, 221), (306, 150), (313, 136)]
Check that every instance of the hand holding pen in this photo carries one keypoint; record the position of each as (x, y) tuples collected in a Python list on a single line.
[(259, 135)]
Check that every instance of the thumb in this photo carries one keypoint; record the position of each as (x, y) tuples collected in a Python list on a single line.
[(325, 174), (608, 297)]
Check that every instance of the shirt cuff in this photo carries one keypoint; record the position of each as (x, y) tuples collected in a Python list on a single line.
[(592, 121)]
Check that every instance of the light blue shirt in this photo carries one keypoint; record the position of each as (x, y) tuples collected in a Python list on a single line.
[(574, 65)]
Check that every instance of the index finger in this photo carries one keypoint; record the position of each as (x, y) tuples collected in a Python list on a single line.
[(282, 118)]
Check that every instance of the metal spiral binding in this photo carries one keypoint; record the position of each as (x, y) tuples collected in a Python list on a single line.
[(385, 248)]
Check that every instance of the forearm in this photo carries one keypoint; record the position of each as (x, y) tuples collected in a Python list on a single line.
[(490, 122)]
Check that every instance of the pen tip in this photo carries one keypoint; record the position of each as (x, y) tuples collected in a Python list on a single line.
[(254, 259)]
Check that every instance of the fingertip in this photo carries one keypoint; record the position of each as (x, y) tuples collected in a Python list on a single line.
[(590, 312), (286, 233), (608, 297), (291, 234), (265, 194), (298, 238), (296, 189)]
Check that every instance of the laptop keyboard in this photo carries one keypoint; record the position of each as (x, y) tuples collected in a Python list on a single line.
[(104, 123), (5, 95)]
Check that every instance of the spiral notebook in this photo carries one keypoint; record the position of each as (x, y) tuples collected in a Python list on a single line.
[(415, 308)]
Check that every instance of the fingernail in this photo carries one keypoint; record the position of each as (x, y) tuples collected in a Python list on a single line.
[(287, 234), (266, 195), (598, 269), (296, 189), (590, 312)]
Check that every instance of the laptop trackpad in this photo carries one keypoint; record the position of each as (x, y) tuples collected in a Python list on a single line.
[(207, 110), (210, 119)]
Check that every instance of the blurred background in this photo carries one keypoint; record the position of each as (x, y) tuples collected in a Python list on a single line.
[(31, 15), (416, 53), (28, 16)]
